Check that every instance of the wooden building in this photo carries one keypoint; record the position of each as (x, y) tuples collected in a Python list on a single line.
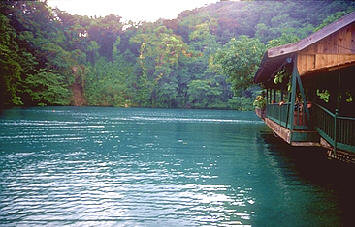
[(310, 89)]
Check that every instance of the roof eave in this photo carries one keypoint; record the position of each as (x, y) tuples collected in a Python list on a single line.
[(277, 55), (313, 38)]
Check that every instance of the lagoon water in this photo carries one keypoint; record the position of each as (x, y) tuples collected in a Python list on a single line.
[(94, 166)]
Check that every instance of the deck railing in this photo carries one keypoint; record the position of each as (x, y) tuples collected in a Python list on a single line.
[(280, 115), (337, 130)]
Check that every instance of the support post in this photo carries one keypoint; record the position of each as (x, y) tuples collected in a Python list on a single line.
[(293, 96), (335, 130), (289, 105), (279, 107), (305, 109), (336, 115), (288, 111), (302, 94)]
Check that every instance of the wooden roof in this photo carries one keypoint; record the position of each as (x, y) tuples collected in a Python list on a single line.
[(275, 57)]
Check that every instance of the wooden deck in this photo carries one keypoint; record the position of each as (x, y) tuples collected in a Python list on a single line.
[(310, 139), (304, 138)]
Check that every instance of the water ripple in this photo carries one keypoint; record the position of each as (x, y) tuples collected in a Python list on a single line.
[(102, 167)]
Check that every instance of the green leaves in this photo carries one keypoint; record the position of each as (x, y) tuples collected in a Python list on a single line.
[(10, 69), (259, 102), (333, 17), (108, 83), (195, 60), (323, 94), (47, 88), (203, 92), (239, 59)]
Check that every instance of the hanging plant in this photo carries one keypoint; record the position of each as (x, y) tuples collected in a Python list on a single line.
[(349, 97), (323, 95), (289, 86), (280, 76)]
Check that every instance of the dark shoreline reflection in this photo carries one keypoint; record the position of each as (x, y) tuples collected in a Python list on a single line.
[(311, 166)]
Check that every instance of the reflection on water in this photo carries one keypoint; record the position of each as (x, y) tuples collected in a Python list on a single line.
[(331, 179), (152, 167)]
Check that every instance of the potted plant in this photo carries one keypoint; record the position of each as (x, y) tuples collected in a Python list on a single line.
[(260, 104)]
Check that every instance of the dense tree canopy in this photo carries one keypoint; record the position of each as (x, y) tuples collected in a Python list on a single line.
[(240, 59), (205, 58)]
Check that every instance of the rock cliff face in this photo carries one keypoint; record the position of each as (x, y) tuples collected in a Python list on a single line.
[(77, 87)]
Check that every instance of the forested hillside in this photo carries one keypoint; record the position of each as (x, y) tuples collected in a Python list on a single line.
[(205, 58)]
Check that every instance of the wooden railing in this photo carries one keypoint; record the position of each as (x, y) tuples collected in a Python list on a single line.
[(338, 131), (280, 115)]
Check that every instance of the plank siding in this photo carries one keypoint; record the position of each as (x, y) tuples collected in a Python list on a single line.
[(335, 50)]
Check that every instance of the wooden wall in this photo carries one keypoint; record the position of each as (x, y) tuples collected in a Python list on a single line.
[(334, 51)]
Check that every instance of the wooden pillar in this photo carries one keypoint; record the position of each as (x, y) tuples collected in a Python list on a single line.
[(305, 109), (336, 115), (288, 110), (335, 131), (293, 95)]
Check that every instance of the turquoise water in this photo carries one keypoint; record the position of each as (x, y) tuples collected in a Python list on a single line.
[(157, 167)]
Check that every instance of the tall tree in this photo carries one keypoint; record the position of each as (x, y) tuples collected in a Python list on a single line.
[(240, 59)]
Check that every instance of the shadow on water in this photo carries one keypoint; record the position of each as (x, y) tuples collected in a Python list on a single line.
[(311, 166)]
